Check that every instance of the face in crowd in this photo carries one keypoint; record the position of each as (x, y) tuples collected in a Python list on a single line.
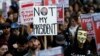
[(82, 36), (6, 28), (34, 44), (3, 49)]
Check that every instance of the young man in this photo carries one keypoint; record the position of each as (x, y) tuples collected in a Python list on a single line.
[(34, 46), (80, 46)]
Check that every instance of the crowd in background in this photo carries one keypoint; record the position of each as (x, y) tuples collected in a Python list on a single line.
[(16, 40)]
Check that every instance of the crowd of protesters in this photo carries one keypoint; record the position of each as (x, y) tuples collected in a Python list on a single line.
[(16, 40)]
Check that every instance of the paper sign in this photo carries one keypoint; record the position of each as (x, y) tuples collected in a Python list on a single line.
[(45, 20), (38, 2), (50, 2), (87, 24), (26, 11), (65, 3), (57, 51), (1, 1), (5, 7)]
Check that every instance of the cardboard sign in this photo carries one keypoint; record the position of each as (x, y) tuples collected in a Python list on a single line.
[(87, 24), (50, 2), (26, 11), (45, 20), (96, 19), (60, 14), (57, 51)]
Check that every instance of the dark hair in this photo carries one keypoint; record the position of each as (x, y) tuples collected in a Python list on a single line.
[(77, 31), (22, 40), (5, 25), (9, 13), (75, 17), (79, 5)]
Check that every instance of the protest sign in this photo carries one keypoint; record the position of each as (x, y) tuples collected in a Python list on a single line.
[(26, 11), (60, 14), (38, 2), (87, 24), (45, 20), (57, 51), (5, 7), (96, 20), (65, 3), (1, 1), (50, 2)]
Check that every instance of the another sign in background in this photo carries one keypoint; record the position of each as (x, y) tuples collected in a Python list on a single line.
[(50, 2), (96, 20), (65, 3), (60, 14), (87, 24), (45, 20), (1, 1), (5, 7), (26, 11), (91, 23), (57, 51), (37, 2)]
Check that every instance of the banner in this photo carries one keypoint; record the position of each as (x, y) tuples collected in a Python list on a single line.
[(96, 19), (45, 20), (26, 11), (57, 51), (60, 14), (87, 24)]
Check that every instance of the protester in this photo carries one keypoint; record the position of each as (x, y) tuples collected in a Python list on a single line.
[(16, 39), (74, 26), (3, 48), (22, 45), (6, 32), (80, 46), (34, 46), (15, 34)]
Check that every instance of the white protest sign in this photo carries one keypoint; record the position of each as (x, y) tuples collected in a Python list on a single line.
[(45, 20), (57, 51), (65, 3), (37, 2), (5, 7), (26, 11), (50, 2), (1, 1)]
